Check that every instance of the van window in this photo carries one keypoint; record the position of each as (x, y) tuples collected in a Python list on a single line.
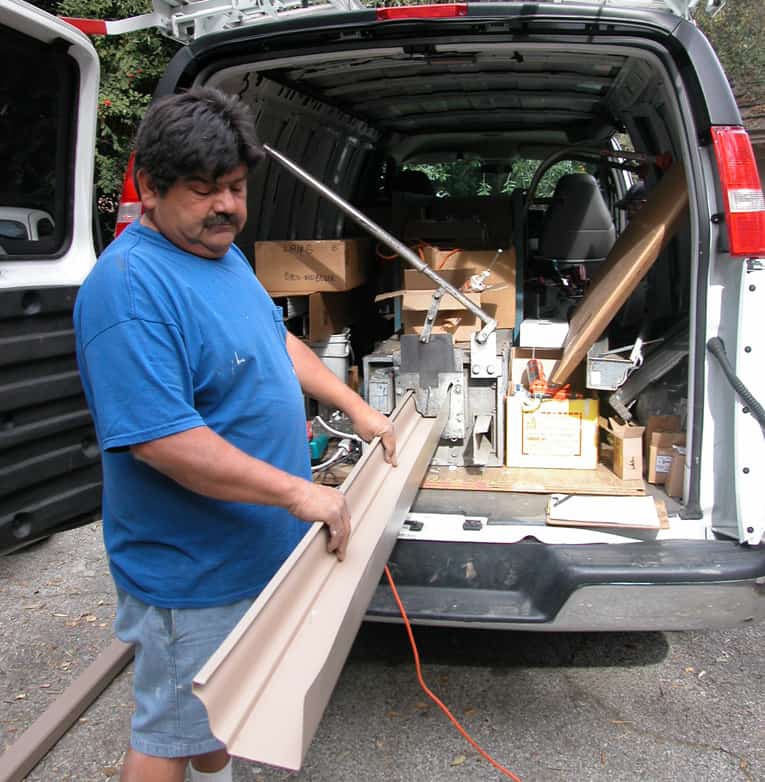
[(37, 82), (474, 177)]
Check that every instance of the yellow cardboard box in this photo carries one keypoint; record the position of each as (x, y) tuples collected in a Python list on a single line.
[(552, 433)]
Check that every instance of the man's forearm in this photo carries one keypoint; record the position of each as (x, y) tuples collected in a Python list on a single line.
[(203, 462), (318, 382)]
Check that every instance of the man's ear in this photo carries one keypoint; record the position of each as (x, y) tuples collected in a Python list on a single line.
[(146, 189)]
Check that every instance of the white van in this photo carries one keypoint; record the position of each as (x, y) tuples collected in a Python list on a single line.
[(479, 127)]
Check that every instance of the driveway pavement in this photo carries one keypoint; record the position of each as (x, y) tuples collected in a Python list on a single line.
[(659, 707)]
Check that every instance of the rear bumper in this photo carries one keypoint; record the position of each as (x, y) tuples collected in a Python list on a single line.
[(657, 585)]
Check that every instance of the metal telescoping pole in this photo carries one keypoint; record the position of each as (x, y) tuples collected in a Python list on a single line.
[(389, 240)]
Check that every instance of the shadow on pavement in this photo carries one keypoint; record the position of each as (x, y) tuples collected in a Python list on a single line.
[(508, 649)]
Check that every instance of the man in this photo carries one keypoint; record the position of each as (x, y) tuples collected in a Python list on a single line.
[(196, 391)]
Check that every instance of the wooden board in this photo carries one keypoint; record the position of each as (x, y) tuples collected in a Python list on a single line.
[(629, 260), (661, 511), (570, 510), (535, 481)]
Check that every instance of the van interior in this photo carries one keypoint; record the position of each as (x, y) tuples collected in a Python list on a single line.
[(514, 170)]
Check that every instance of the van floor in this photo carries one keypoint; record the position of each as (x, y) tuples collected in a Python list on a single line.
[(519, 507)]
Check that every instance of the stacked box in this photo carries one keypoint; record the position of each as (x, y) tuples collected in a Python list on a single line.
[(662, 432), (295, 268), (625, 448)]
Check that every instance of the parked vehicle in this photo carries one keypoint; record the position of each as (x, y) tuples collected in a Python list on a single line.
[(50, 475), (395, 109), (22, 223)]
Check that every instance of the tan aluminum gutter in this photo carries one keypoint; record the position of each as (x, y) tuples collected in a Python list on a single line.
[(266, 687)]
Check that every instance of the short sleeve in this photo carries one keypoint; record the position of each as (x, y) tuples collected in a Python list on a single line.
[(140, 382)]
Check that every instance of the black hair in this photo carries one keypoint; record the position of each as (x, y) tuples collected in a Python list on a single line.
[(201, 132)]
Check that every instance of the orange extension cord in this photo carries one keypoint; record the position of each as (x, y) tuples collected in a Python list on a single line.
[(485, 755)]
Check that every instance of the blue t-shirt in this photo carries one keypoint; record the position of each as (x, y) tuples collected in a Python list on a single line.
[(168, 341)]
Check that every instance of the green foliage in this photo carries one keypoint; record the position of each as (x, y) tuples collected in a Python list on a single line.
[(472, 177), (131, 65), (737, 34)]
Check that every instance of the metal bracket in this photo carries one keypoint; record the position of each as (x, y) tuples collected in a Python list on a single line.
[(484, 362), (430, 317), (484, 433), (429, 400)]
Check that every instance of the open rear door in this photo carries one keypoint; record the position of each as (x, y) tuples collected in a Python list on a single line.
[(49, 464)]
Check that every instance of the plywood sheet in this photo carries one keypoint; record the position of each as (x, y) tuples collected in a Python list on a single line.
[(603, 511), (536, 481)]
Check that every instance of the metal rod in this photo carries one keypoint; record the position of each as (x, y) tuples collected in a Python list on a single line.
[(387, 239)]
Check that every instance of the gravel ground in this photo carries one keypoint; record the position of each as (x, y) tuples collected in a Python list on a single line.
[(552, 707)]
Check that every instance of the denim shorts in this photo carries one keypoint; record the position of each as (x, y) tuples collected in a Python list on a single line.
[(171, 646)]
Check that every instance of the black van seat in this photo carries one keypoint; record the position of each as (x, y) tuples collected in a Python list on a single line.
[(577, 227)]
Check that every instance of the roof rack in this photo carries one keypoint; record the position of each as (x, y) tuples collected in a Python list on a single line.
[(187, 20)]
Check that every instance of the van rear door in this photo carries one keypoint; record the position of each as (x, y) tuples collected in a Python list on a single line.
[(49, 466)]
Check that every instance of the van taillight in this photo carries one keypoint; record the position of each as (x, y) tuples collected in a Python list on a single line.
[(129, 209), (422, 11), (741, 189)]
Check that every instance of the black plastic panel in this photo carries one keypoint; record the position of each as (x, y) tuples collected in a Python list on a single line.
[(530, 581), (50, 472)]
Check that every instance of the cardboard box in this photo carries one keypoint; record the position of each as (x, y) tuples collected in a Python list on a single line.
[(659, 423), (440, 259), (499, 298), (460, 325), (674, 483), (417, 281), (536, 333), (461, 232), (661, 433), (552, 433), (330, 313), (305, 267), (625, 448), (452, 317)]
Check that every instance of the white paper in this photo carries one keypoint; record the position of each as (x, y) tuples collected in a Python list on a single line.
[(603, 510)]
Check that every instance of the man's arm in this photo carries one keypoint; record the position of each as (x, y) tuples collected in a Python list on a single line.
[(318, 382), (203, 462)]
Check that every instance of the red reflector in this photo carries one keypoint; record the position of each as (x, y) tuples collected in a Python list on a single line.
[(130, 208), (422, 11), (741, 189), (88, 26)]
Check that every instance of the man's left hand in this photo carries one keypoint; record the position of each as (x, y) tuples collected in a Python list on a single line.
[(370, 424)]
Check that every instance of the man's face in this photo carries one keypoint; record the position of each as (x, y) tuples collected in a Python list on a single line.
[(199, 215)]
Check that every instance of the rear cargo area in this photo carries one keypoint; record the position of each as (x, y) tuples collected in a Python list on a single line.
[(549, 182)]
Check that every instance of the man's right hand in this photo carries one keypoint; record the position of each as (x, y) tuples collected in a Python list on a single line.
[(327, 505)]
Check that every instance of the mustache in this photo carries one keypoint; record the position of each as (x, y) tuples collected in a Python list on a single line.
[(223, 218)]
